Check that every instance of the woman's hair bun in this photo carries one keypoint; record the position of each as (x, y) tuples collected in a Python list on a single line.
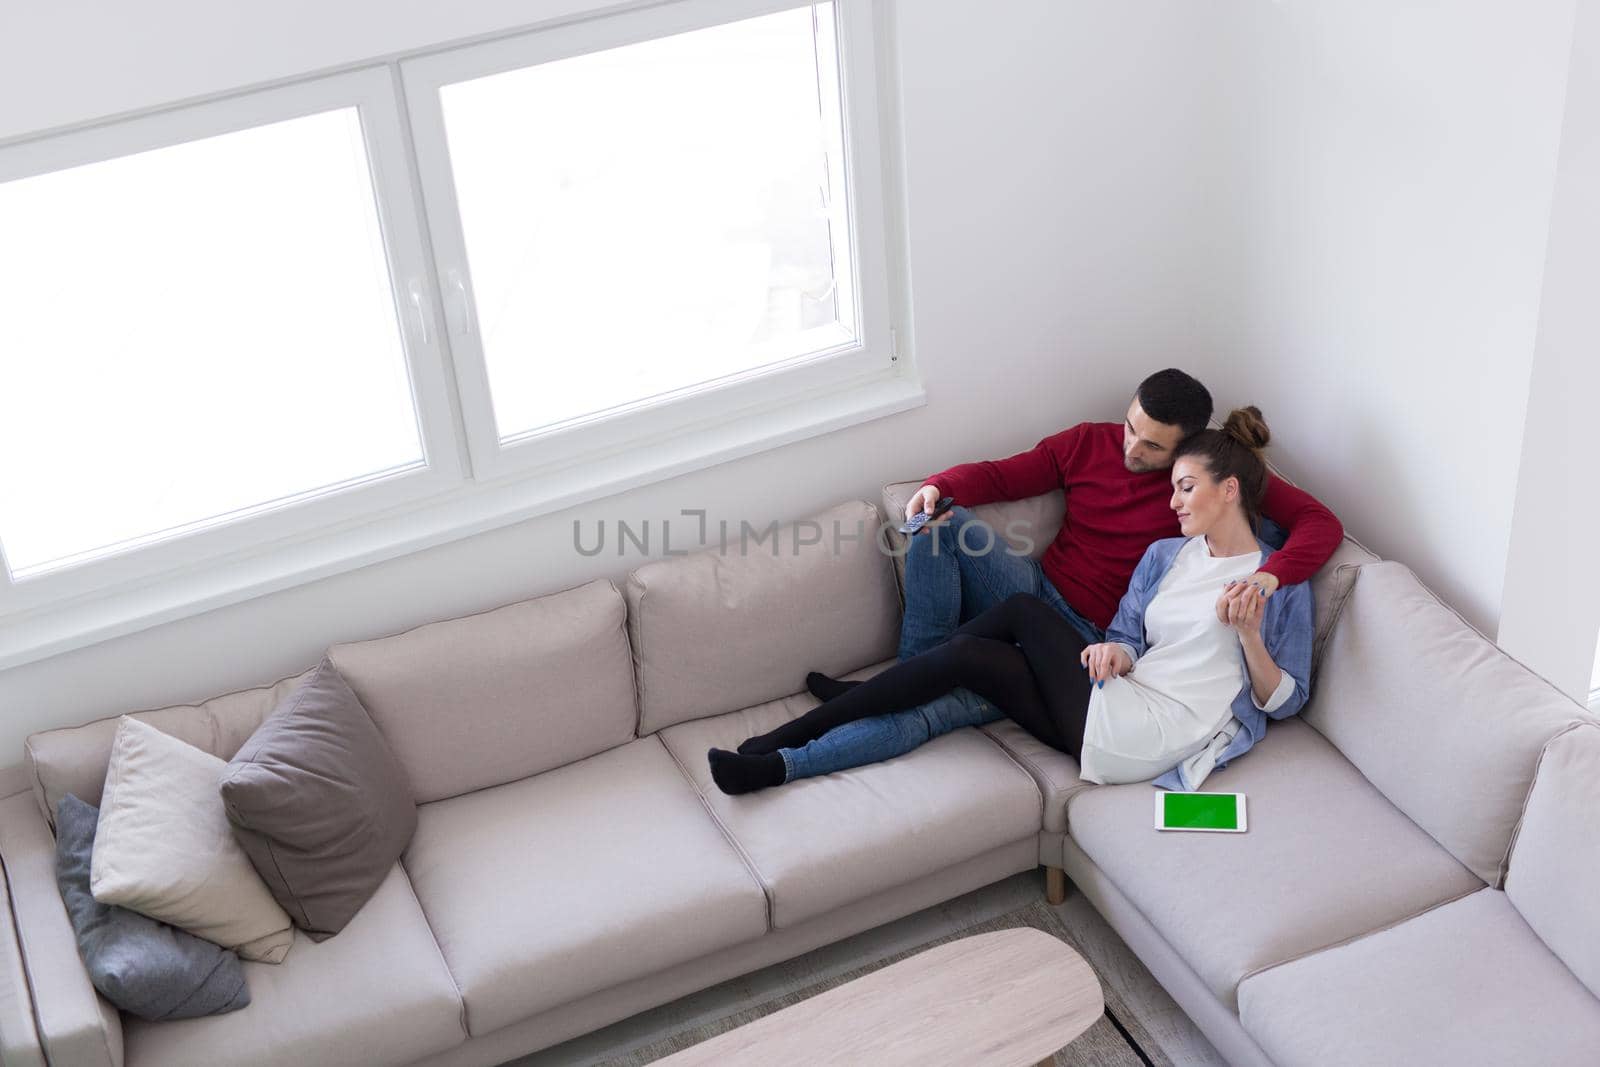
[(1246, 426)]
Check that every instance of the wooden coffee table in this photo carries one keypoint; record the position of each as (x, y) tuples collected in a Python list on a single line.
[(1010, 998)]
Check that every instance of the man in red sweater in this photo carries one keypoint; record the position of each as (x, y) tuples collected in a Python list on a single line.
[(1118, 490)]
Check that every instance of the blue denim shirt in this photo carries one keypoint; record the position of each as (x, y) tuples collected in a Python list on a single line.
[(1286, 627)]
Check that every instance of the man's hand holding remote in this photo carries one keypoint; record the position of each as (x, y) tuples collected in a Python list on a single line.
[(924, 499)]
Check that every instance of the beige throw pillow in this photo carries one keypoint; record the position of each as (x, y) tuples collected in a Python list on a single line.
[(163, 847)]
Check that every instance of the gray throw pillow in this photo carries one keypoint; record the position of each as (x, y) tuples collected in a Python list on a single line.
[(144, 967), (319, 803)]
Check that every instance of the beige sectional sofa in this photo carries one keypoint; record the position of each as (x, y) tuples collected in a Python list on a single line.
[(574, 864)]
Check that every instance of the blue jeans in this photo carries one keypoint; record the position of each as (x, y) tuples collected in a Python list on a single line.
[(954, 571), (962, 568), (880, 737)]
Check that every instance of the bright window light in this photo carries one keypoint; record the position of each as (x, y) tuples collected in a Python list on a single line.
[(194, 333), (654, 217)]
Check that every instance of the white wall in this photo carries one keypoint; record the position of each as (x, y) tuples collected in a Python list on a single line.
[(1391, 172), (1047, 147), (1334, 208), (1551, 609)]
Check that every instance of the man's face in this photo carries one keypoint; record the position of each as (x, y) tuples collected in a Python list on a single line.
[(1147, 444)]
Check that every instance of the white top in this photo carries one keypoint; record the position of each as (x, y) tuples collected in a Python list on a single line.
[(1180, 693)]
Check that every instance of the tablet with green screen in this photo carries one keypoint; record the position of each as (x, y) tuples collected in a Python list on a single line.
[(1209, 812)]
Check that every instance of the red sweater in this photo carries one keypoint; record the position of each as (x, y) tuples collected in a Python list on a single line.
[(1114, 514)]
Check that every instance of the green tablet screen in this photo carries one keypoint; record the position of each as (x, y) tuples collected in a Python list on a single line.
[(1207, 811)]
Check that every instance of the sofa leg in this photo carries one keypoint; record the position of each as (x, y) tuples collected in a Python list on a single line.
[(1055, 885)]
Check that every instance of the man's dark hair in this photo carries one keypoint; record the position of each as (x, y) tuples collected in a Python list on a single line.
[(1173, 397)]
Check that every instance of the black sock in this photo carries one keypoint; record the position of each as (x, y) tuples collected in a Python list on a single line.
[(825, 688), (735, 774)]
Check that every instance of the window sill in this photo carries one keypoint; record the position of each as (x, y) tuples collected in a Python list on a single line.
[(462, 511)]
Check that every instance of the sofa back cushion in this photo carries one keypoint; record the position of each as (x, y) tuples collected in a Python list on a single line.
[(730, 627), (498, 696), (1555, 859), (74, 759), (1444, 723)]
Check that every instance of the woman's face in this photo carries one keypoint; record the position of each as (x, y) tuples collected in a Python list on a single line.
[(1199, 499)]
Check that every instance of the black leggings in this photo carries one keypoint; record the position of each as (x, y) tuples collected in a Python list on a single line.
[(1019, 655)]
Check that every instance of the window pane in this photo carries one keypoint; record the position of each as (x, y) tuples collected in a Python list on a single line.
[(193, 332), (655, 216)]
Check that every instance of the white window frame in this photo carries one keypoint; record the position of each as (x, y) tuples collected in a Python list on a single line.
[(467, 488), (870, 354), (370, 91)]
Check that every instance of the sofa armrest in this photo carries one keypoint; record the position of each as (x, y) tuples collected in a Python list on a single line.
[(895, 495), (19, 1038), (73, 1024)]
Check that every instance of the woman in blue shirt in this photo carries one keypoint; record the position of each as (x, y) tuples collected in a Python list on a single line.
[(1194, 663)]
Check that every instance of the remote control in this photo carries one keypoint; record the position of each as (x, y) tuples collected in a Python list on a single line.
[(922, 518)]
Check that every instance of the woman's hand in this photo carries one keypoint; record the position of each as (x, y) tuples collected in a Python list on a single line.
[(1240, 606), (1105, 660)]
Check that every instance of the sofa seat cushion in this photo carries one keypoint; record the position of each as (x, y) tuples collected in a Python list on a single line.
[(1465, 983), (822, 842), (1054, 772), (378, 993), (567, 883), (1326, 857)]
